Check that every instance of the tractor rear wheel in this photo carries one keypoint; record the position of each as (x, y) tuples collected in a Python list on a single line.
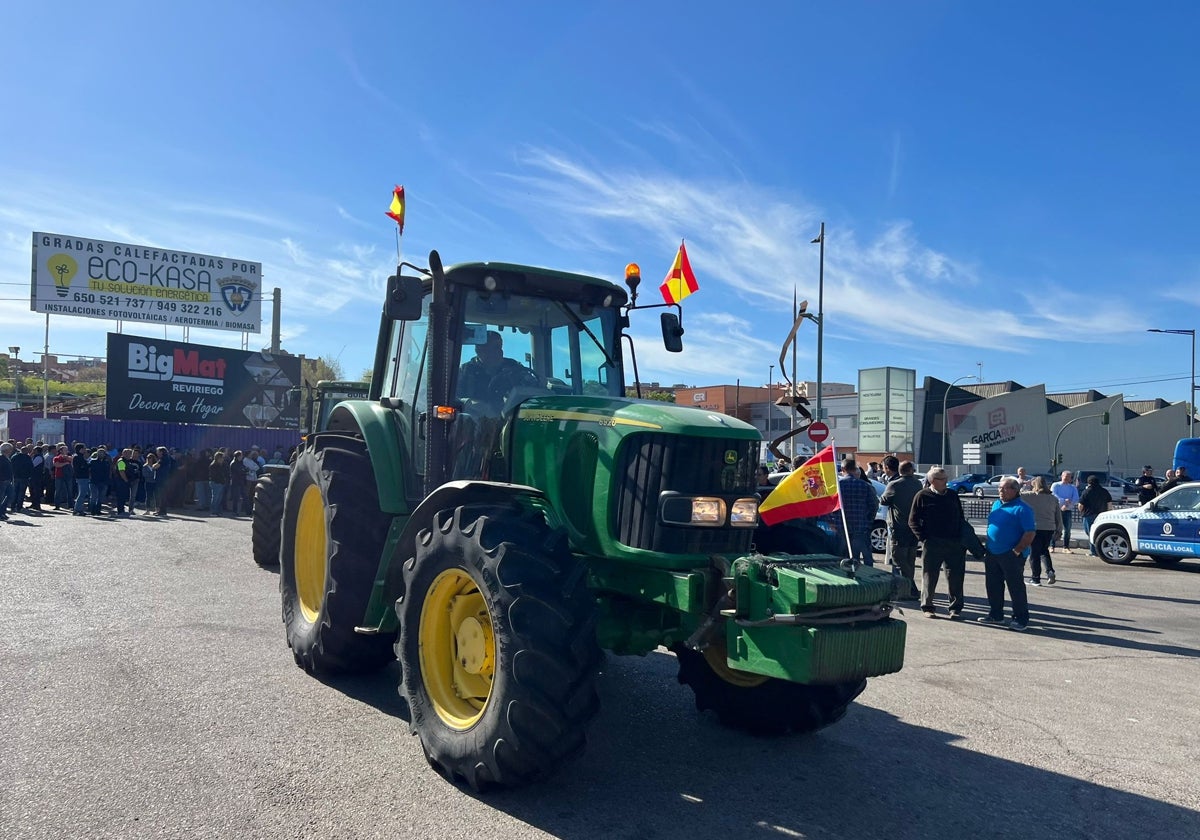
[(332, 537), (497, 646), (757, 704), (268, 518)]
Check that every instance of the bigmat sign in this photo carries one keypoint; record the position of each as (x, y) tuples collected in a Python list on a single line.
[(155, 379), (93, 278)]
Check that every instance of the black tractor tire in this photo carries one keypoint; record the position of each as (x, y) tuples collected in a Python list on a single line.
[(761, 706), (1114, 547), (332, 537), (497, 647), (265, 527)]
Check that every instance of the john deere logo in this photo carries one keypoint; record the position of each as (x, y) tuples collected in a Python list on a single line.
[(237, 292), (731, 456)]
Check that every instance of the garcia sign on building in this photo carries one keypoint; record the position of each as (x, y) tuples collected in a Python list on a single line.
[(92, 278), (155, 379)]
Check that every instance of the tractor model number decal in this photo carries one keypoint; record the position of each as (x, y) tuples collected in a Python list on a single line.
[(550, 416)]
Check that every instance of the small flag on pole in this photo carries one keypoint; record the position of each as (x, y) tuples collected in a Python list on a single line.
[(396, 211), (810, 490), (680, 281)]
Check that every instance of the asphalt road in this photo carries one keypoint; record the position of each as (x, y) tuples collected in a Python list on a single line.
[(147, 691)]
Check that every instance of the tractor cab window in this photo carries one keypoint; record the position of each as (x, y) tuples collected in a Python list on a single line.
[(406, 377), (514, 347), (517, 346)]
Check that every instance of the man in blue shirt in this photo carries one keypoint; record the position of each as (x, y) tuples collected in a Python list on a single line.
[(1010, 531), (1068, 500)]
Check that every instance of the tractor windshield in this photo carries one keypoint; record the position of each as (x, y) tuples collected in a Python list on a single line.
[(535, 345)]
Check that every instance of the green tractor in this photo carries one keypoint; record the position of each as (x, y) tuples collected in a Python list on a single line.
[(493, 520), (273, 479)]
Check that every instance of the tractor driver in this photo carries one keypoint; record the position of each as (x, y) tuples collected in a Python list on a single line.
[(490, 375)]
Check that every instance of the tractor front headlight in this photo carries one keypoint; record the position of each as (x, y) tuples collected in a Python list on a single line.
[(744, 513), (707, 511)]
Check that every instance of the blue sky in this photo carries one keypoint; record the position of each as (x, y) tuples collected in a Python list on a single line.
[(1012, 184)]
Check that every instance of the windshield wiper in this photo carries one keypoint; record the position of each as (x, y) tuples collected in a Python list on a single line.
[(578, 322)]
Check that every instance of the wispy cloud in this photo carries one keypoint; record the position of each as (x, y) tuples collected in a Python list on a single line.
[(749, 241)]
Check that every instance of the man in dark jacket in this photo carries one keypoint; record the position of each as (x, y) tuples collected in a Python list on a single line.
[(166, 481), (6, 475), (1093, 501), (937, 521), (99, 466), (902, 542), (83, 480), (22, 467), (1147, 485)]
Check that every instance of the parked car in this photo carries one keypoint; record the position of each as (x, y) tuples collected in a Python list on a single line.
[(991, 487), (966, 483), (1166, 529)]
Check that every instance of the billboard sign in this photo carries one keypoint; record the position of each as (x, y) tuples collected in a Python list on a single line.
[(94, 278), (155, 379)]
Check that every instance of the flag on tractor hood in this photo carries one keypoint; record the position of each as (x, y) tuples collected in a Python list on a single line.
[(680, 281), (396, 211), (810, 490)]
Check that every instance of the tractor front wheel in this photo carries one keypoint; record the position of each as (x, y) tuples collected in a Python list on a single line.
[(497, 646), (757, 704), (268, 517), (332, 537)]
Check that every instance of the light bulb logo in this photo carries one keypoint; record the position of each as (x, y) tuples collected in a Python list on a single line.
[(63, 267)]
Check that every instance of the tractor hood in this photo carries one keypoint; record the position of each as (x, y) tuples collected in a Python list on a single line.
[(630, 415), (608, 466)]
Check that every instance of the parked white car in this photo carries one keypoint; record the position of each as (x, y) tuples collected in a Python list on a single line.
[(1166, 529)]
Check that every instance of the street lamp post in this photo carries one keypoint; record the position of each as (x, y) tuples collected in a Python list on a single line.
[(1120, 398), (16, 374), (770, 399), (820, 313), (945, 420), (1192, 382)]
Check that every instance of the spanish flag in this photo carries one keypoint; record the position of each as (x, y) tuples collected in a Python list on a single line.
[(810, 490), (680, 281), (396, 211)]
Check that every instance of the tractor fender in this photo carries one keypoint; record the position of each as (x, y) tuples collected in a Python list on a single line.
[(384, 432), (450, 495)]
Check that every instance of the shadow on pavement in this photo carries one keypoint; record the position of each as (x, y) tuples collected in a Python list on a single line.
[(378, 690), (655, 768)]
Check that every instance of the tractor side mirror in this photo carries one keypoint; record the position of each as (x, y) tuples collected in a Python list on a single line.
[(403, 301), (672, 332)]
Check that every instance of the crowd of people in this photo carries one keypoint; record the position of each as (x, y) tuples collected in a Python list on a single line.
[(116, 482), (1024, 527)]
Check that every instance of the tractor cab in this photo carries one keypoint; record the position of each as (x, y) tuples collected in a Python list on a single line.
[(488, 338)]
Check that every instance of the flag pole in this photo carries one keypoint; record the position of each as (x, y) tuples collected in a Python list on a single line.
[(842, 507)]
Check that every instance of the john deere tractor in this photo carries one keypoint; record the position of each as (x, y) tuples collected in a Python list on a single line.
[(493, 521)]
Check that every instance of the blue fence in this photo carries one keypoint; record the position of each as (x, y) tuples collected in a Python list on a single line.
[(95, 430)]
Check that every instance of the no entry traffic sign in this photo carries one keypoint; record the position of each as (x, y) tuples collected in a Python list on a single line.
[(818, 432)]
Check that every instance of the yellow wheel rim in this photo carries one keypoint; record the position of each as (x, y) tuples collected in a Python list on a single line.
[(457, 649), (717, 659), (311, 553)]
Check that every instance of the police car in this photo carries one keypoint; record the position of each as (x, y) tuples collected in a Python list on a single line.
[(1166, 529)]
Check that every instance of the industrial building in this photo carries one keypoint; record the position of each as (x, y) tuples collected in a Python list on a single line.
[(1013, 424)]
